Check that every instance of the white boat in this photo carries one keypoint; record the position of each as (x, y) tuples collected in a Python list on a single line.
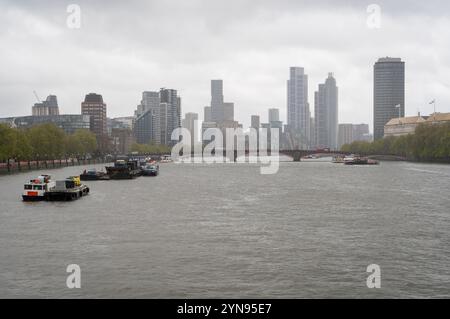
[(166, 159), (36, 189), (349, 158)]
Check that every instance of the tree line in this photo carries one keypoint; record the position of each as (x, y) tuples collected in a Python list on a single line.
[(44, 142), (149, 149), (429, 143)]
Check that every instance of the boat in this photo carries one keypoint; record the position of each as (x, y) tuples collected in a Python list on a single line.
[(67, 190), (151, 169), (338, 159), (36, 189), (357, 160), (94, 175), (316, 158), (124, 169), (166, 159)]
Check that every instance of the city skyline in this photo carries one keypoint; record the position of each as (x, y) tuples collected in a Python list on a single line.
[(72, 61)]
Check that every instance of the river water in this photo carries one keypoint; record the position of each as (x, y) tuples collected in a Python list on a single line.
[(224, 230)]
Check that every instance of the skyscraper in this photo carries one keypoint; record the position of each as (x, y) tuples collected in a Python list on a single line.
[(190, 122), (274, 115), (94, 107), (255, 122), (389, 91), (217, 114), (171, 119), (228, 111), (326, 114), (148, 114), (157, 116), (207, 114), (298, 114)]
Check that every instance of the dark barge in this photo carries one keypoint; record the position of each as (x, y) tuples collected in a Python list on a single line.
[(67, 190), (124, 169)]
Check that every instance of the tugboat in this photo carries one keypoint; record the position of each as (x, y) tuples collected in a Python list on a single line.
[(123, 169), (151, 169), (94, 175), (67, 190), (36, 189)]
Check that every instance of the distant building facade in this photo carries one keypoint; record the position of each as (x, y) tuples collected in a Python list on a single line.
[(389, 91), (68, 122), (298, 111), (349, 133), (94, 106), (49, 107), (274, 115), (122, 140), (326, 114), (158, 114), (255, 122), (190, 122)]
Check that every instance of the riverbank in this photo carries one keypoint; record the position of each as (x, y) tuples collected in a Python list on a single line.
[(16, 167)]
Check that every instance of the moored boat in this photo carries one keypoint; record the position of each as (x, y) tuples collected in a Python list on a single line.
[(36, 189), (94, 175), (67, 190), (151, 169), (357, 160), (123, 169), (166, 159), (338, 159)]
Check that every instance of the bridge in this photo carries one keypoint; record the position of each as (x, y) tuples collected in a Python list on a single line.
[(296, 155)]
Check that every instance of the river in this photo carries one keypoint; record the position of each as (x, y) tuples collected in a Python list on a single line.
[(225, 230)]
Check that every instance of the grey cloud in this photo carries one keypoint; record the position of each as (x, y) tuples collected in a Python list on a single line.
[(124, 48)]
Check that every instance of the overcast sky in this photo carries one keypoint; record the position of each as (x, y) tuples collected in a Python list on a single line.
[(125, 47)]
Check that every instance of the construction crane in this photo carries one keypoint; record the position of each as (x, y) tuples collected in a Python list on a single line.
[(37, 97)]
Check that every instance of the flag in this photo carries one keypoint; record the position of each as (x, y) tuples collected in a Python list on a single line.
[(398, 106), (433, 102)]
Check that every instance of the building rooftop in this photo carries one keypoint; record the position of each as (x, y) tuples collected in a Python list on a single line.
[(406, 120), (93, 98), (389, 59), (439, 117)]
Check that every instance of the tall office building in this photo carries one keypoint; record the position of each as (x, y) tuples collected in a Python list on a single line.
[(389, 91), (207, 114), (349, 133), (298, 113), (94, 106), (149, 110), (171, 117), (190, 122), (345, 134), (143, 128), (274, 115), (217, 114), (228, 111), (157, 116), (255, 122), (326, 114)]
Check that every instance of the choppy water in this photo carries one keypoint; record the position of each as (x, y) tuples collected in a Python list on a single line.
[(199, 231)]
